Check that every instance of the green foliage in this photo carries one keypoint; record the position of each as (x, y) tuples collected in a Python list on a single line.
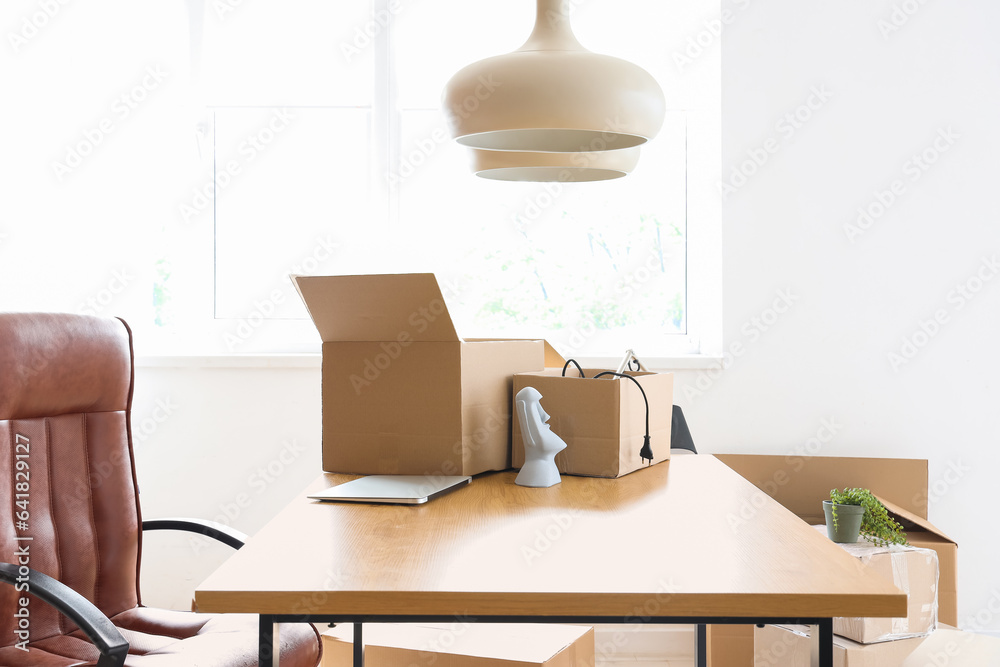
[(618, 276), (162, 305), (876, 524)]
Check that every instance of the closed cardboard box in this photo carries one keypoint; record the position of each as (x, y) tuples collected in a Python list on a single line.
[(913, 571), (463, 644), (730, 645), (402, 393), (602, 420), (781, 646), (922, 533)]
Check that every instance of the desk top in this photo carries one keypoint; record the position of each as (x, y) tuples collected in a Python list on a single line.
[(687, 537)]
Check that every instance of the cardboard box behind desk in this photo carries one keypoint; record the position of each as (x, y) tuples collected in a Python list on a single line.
[(801, 483), (602, 421), (781, 646), (402, 393), (463, 645)]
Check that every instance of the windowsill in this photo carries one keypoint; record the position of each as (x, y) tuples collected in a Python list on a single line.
[(230, 361), (687, 362)]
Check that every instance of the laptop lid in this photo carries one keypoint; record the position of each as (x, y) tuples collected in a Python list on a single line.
[(397, 489)]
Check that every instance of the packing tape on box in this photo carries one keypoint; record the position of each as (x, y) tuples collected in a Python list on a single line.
[(901, 580), (896, 628)]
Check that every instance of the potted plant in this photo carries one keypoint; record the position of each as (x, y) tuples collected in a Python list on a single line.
[(856, 511)]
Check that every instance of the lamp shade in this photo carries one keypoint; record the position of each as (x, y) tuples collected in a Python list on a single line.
[(558, 167), (553, 95)]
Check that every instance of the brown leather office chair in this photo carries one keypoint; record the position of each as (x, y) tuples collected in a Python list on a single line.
[(70, 524)]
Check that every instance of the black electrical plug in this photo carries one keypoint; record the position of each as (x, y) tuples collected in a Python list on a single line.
[(646, 453)]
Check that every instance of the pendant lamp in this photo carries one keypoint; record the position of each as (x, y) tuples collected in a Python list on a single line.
[(549, 167), (553, 95)]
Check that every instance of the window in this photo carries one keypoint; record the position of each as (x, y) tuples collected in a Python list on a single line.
[(308, 140)]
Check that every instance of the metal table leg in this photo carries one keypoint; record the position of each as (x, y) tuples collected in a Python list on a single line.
[(269, 642), (359, 645), (701, 645), (821, 648)]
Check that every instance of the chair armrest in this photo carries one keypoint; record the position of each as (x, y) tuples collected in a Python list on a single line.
[(217, 531), (94, 624)]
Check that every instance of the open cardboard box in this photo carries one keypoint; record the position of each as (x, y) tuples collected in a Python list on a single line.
[(463, 644), (602, 421), (402, 392), (801, 483)]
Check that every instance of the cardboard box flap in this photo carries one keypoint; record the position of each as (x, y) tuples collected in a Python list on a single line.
[(801, 483), (377, 307), (552, 358), (906, 517)]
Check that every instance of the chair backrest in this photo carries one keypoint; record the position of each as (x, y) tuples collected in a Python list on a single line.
[(680, 434), (68, 488)]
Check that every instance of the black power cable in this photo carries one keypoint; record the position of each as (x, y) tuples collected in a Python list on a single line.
[(646, 452), (573, 361)]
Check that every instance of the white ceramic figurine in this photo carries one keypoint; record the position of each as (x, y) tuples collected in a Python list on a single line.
[(540, 444)]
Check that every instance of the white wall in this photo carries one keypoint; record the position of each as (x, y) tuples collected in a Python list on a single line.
[(234, 445), (855, 301)]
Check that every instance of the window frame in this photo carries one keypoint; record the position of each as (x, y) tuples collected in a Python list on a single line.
[(700, 346)]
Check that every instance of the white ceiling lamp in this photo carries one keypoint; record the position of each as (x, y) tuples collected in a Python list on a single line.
[(553, 95), (548, 167)]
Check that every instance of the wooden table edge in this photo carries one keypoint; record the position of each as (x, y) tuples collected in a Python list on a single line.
[(631, 605)]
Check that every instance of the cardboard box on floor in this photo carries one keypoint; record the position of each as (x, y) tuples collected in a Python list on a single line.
[(955, 648), (801, 483), (463, 645), (402, 393), (789, 646), (602, 421), (912, 570)]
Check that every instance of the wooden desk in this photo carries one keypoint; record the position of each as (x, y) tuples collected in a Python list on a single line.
[(686, 541)]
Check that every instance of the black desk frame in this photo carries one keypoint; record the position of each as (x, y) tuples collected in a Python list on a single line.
[(822, 640)]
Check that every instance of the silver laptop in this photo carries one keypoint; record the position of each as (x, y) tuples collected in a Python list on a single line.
[(397, 489)]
